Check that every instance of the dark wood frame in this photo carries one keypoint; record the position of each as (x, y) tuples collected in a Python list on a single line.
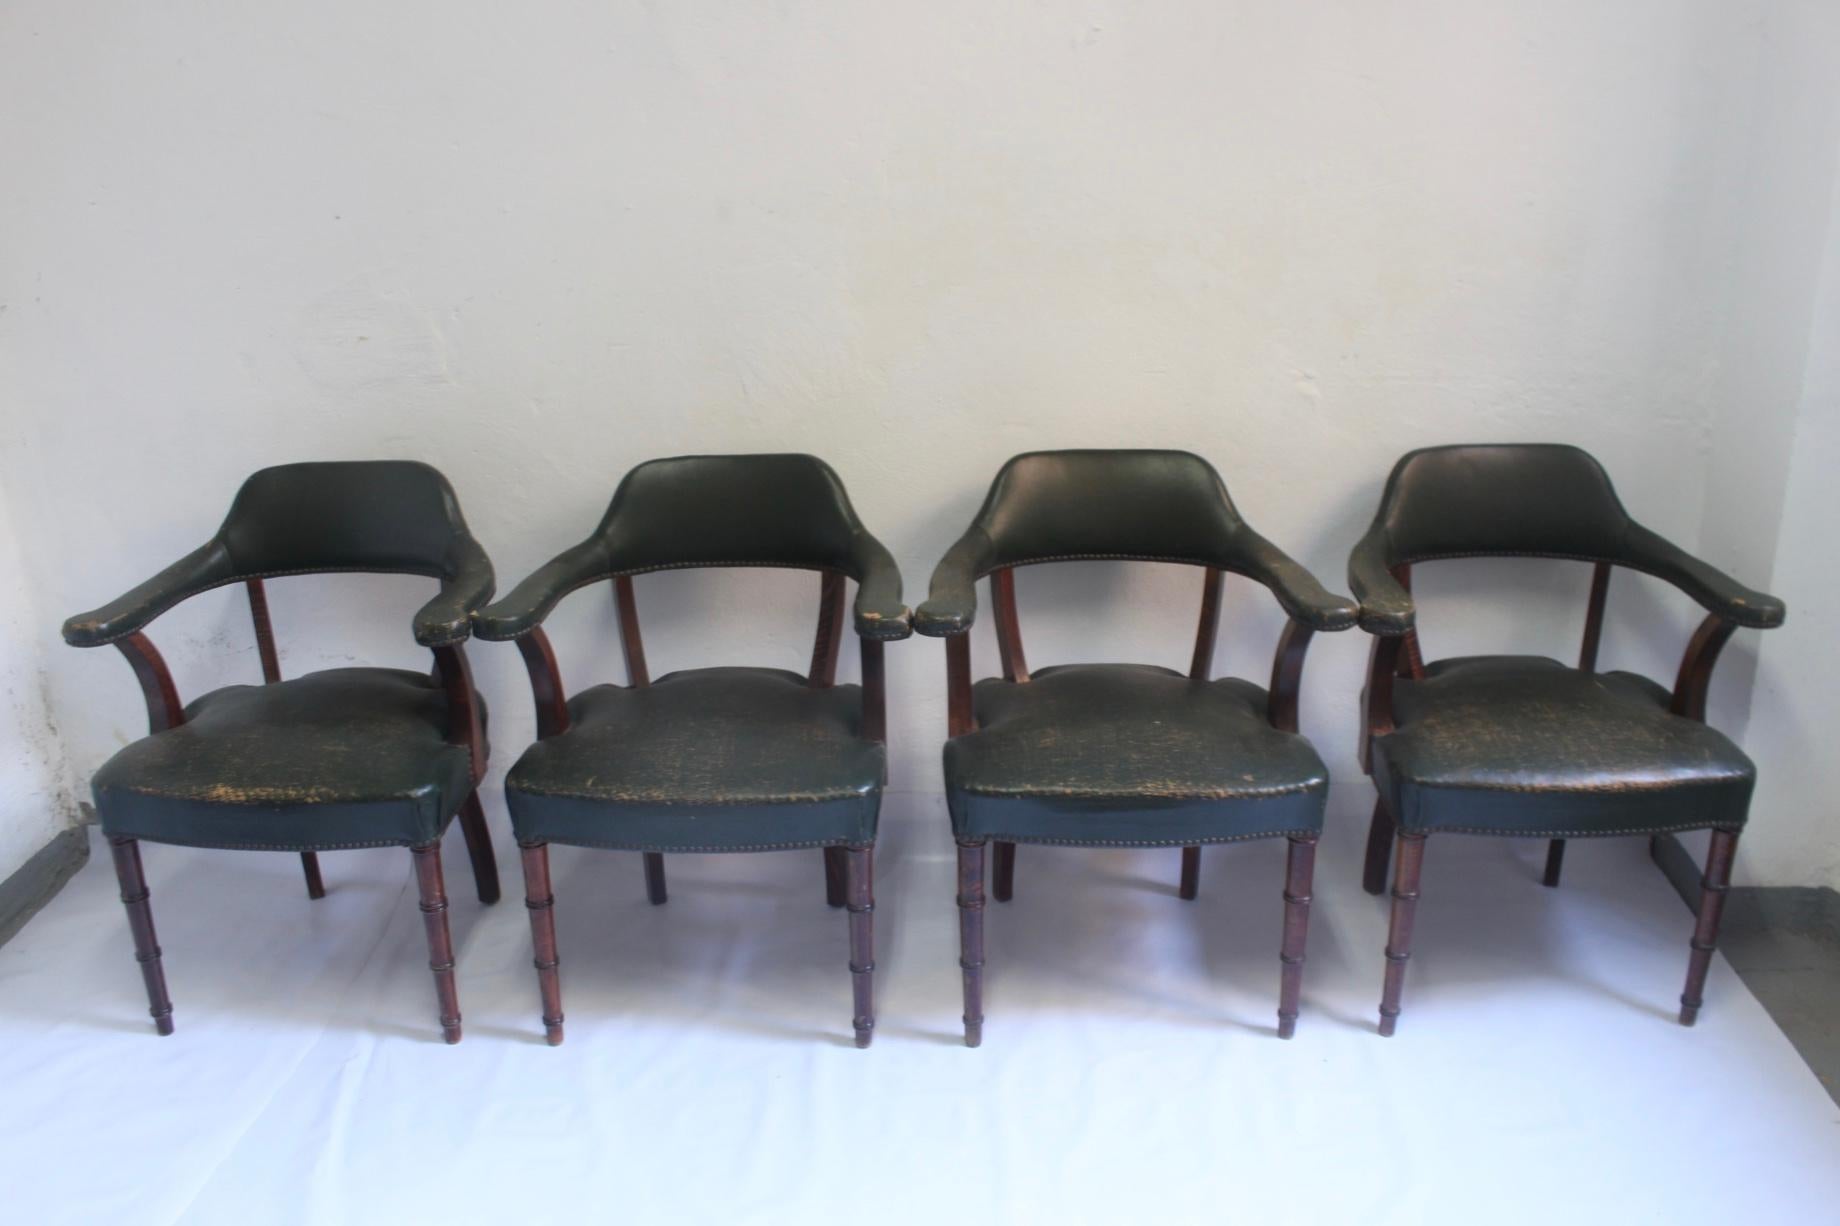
[(961, 718)]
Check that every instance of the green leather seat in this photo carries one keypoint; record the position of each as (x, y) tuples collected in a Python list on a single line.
[(1527, 745), (1129, 755), (349, 757), (711, 759)]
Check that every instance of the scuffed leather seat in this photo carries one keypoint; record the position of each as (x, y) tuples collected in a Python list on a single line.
[(1129, 755), (349, 757), (711, 759), (1526, 745)]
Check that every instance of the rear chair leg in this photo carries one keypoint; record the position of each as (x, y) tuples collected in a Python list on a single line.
[(1713, 888), (654, 877), (1379, 849), (309, 865), (834, 894), (1555, 860), (479, 849), (134, 896), (541, 901), (971, 937), (860, 888), (1299, 871), (1004, 888), (440, 942), (1399, 934), (1191, 874)]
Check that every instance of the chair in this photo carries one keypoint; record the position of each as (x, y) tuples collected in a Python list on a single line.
[(710, 759), (344, 758), (1522, 745), (1123, 755)]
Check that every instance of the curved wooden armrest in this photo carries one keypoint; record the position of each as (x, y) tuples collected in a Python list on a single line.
[(1287, 674), (164, 710), (545, 682), (1695, 679), (1383, 662), (960, 717), (463, 723)]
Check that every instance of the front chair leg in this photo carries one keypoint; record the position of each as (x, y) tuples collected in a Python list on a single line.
[(1712, 890), (834, 872), (859, 872), (1399, 933), (1379, 849), (479, 849), (1299, 871), (971, 936), (309, 866), (134, 896), (540, 899), (433, 891), (654, 878), (1191, 874), (1004, 887)]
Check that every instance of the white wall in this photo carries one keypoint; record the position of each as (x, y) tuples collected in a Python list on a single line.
[(36, 799), (536, 244)]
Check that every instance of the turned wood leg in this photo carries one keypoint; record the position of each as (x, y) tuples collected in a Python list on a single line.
[(540, 899), (479, 849), (134, 896), (859, 871), (309, 866), (1555, 861), (971, 937), (1379, 849), (834, 873), (433, 891), (1399, 934), (1299, 870), (1712, 890), (1191, 874), (1004, 887), (654, 878)]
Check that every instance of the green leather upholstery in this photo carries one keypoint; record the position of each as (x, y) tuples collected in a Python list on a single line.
[(1129, 755), (1523, 745), (348, 757), (713, 759)]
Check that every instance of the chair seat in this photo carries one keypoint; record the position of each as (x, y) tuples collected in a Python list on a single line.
[(1528, 746), (1129, 755), (349, 757), (711, 759)]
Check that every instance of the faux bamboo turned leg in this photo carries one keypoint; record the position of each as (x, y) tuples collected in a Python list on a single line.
[(859, 872), (654, 877), (134, 896), (1004, 887), (971, 937), (479, 849), (309, 865), (1555, 861), (1299, 871), (1379, 849), (1712, 890), (1399, 934), (541, 901), (833, 876), (1191, 874), (440, 942)]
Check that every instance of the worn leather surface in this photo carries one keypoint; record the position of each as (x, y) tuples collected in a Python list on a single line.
[(1160, 506), (370, 515), (348, 757), (1526, 745), (1521, 499), (1129, 755), (739, 510), (712, 759)]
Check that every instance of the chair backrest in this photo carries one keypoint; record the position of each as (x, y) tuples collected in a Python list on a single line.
[(355, 515)]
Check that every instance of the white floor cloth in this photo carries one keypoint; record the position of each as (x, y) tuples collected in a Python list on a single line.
[(1129, 1071)]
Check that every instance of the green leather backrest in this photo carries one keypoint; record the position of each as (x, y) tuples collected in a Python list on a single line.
[(385, 515), (1507, 498)]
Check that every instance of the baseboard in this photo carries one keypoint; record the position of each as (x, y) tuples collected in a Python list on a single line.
[(37, 881), (1814, 910)]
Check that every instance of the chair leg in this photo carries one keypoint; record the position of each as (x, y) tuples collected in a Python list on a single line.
[(479, 849), (859, 871), (1555, 861), (654, 878), (134, 896), (1299, 872), (834, 873), (1713, 887), (540, 898), (440, 942), (309, 865), (1399, 933), (1379, 849), (1191, 874), (971, 937), (1004, 887)]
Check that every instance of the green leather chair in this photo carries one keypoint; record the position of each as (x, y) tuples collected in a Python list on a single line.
[(710, 759), (1523, 745), (347, 757), (1123, 755)]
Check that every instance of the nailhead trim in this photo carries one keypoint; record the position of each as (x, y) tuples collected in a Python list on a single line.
[(675, 848), (1179, 842)]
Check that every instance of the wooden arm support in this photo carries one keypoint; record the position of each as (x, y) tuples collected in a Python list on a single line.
[(164, 710), (545, 682)]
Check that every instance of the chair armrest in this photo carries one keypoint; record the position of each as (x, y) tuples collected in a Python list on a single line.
[(879, 611), (1717, 592), (951, 600), (448, 618), (204, 568), (1386, 606), (530, 601), (1297, 590)]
